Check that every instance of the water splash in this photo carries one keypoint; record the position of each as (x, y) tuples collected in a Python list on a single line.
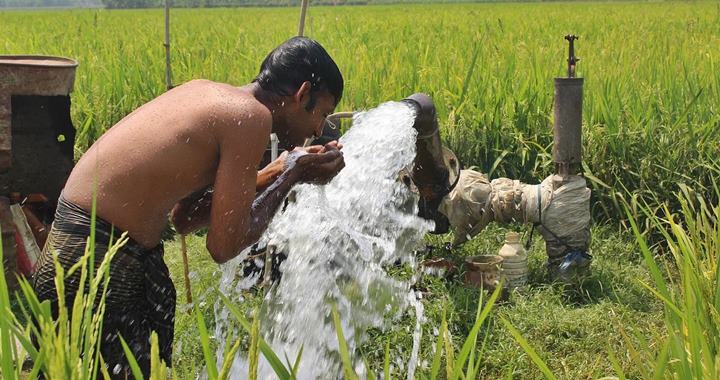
[(340, 238), (417, 333)]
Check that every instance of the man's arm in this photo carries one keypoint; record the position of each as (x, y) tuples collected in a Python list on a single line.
[(237, 217), (242, 140), (193, 212), (267, 175)]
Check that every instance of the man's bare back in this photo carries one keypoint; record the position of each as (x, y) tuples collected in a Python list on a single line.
[(164, 151), (159, 161)]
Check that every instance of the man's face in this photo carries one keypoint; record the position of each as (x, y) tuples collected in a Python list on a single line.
[(303, 123)]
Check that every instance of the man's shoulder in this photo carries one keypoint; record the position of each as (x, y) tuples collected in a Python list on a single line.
[(233, 108)]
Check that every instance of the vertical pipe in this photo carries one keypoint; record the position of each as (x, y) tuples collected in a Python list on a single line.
[(303, 12), (274, 142), (567, 146), (567, 128), (567, 251), (168, 70), (431, 173)]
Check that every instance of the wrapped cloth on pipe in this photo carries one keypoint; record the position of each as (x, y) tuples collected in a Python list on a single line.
[(560, 206)]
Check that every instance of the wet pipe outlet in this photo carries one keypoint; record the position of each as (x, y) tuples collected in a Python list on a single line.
[(436, 169)]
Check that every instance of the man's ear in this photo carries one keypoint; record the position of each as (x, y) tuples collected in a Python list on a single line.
[(302, 95)]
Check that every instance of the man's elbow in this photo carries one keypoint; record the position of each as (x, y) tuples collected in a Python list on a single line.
[(182, 228), (222, 254)]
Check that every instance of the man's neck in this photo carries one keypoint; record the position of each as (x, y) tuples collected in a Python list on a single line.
[(271, 101)]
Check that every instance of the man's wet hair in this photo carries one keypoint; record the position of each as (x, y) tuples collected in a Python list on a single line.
[(295, 61)]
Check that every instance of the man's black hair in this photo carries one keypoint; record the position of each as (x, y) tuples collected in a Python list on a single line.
[(295, 61)]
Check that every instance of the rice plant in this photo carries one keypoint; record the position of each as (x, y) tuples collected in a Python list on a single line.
[(652, 84)]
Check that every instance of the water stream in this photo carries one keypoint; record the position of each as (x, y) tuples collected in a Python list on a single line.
[(340, 240)]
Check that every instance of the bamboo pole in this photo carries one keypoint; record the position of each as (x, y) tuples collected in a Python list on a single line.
[(303, 13), (168, 87), (168, 70), (186, 269)]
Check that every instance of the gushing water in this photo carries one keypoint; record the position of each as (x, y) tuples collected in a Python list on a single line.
[(339, 240)]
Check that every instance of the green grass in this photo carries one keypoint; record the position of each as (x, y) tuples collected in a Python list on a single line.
[(571, 328), (630, 317), (651, 122)]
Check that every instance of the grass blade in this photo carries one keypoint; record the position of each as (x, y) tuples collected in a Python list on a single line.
[(272, 358), (386, 364), (344, 354), (529, 350), (134, 366), (471, 340), (210, 360)]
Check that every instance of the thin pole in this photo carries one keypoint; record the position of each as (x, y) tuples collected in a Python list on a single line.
[(168, 70), (270, 249), (186, 269), (303, 12)]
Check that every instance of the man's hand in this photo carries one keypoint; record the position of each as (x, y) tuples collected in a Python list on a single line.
[(321, 148), (267, 175), (316, 164)]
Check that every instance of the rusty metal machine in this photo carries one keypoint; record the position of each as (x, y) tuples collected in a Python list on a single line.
[(36, 148)]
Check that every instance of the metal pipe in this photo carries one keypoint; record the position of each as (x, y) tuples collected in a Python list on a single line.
[(567, 146), (568, 255), (434, 169), (567, 128), (430, 173), (572, 59)]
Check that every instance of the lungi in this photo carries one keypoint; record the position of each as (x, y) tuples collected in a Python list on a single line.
[(140, 296)]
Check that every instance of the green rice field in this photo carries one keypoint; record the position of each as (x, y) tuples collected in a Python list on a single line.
[(651, 119), (652, 87)]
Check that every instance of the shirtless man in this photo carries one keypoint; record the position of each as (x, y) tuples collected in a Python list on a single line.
[(161, 158)]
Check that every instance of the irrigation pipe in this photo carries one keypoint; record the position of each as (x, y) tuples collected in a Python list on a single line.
[(341, 115), (270, 250)]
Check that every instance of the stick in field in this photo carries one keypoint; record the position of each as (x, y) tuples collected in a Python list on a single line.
[(186, 269)]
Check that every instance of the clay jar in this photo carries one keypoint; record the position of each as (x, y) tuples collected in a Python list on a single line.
[(483, 271)]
